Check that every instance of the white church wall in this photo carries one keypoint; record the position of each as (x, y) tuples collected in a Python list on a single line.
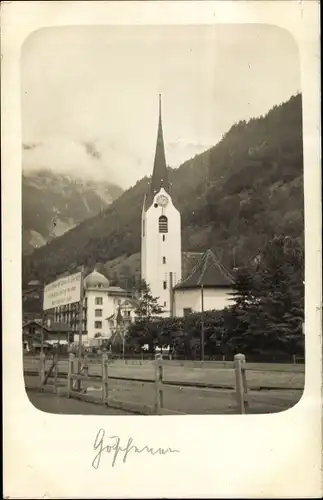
[(214, 299), (161, 252)]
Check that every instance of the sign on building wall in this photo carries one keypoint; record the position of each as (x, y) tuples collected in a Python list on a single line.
[(63, 291)]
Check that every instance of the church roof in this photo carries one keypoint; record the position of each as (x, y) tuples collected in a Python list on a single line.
[(208, 272), (160, 175)]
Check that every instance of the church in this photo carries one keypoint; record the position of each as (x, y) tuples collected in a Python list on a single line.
[(209, 286)]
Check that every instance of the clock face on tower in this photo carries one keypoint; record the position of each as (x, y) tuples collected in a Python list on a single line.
[(162, 200)]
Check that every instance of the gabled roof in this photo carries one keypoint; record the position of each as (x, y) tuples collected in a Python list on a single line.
[(35, 322), (53, 328), (209, 273)]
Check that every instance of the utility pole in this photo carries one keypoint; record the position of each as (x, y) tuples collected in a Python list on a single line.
[(202, 323), (79, 361), (42, 324), (171, 296), (81, 316), (42, 355)]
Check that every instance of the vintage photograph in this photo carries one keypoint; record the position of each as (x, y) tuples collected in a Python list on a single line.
[(162, 220)]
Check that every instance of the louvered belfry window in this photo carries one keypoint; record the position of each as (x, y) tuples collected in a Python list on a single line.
[(163, 224)]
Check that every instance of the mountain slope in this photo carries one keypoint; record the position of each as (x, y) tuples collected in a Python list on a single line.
[(232, 199), (54, 203)]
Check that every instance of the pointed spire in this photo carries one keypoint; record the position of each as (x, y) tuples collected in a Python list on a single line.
[(119, 316), (160, 176)]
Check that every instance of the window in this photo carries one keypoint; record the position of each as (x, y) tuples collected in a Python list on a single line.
[(98, 324), (98, 301), (98, 312), (143, 228), (163, 224), (164, 237), (187, 311), (164, 260), (165, 303), (165, 285)]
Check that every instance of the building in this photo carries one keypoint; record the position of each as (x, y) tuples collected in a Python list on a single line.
[(101, 304), (208, 287), (161, 252), (53, 333)]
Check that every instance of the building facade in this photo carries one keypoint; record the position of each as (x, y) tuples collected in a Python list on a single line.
[(101, 304), (161, 248)]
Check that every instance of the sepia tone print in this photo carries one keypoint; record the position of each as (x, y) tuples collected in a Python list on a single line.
[(163, 231)]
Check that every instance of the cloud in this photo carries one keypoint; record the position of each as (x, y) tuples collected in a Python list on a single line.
[(91, 149), (114, 161), (67, 156)]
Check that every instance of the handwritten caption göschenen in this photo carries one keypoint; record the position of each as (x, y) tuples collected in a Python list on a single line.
[(63, 291)]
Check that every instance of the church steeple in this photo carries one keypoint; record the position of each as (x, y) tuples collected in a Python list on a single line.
[(161, 255), (160, 176)]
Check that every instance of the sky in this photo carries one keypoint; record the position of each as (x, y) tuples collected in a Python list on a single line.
[(90, 94)]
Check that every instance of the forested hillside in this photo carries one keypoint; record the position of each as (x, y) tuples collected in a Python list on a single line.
[(232, 198)]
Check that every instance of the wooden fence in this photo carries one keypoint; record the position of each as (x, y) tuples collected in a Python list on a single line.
[(78, 373), (157, 408)]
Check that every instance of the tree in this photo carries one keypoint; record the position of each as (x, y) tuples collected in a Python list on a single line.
[(146, 328), (243, 286), (273, 318), (237, 316), (148, 305)]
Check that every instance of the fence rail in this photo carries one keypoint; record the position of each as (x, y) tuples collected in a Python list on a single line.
[(75, 377)]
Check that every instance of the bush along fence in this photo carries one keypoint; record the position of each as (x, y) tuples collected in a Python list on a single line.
[(79, 379)]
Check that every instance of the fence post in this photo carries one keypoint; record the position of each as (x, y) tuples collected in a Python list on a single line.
[(241, 382), (244, 383), (86, 364), (105, 379), (78, 363), (158, 384), (42, 361), (69, 374)]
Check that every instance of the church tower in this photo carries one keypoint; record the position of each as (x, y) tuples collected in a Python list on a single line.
[(161, 252)]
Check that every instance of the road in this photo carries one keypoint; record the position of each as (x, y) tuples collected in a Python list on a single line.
[(51, 403)]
